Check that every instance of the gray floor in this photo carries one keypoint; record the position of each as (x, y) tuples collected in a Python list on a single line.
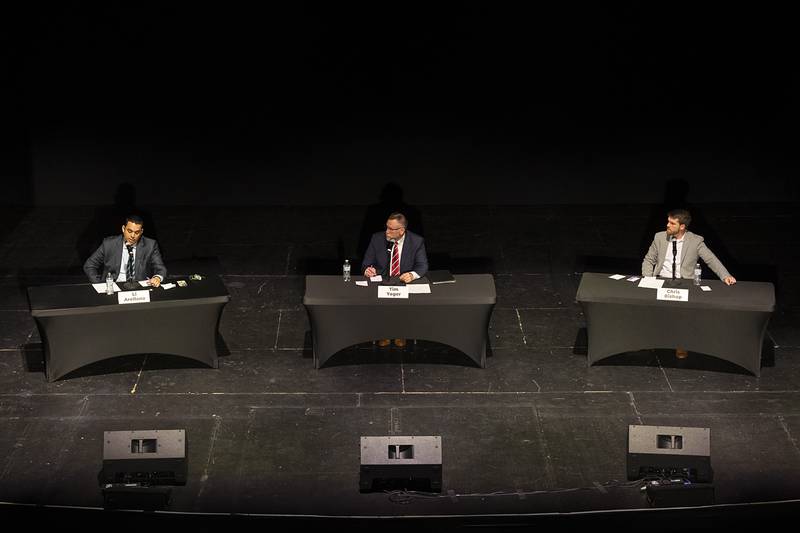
[(535, 431)]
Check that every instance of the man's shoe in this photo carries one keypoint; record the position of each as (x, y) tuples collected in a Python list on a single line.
[(681, 353), (400, 343), (383, 343)]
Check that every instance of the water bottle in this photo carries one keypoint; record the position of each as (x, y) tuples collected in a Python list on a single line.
[(346, 270), (697, 273), (109, 284)]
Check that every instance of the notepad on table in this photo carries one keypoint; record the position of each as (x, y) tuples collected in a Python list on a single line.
[(440, 276)]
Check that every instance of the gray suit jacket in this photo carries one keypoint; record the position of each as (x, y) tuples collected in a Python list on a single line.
[(108, 257), (693, 247)]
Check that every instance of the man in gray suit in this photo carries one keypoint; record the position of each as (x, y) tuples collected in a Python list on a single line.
[(674, 253), (128, 257)]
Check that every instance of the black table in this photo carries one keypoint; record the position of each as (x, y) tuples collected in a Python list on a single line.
[(78, 326), (343, 314), (727, 322)]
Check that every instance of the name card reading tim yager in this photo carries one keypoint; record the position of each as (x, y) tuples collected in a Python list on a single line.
[(673, 295), (134, 297), (392, 291)]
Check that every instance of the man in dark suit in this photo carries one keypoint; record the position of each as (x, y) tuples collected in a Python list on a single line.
[(395, 253), (128, 257)]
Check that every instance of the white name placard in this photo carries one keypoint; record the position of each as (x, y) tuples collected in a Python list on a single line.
[(673, 295), (391, 291), (134, 297)]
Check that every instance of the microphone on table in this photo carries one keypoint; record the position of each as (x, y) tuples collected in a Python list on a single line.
[(674, 254), (389, 245), (388, 280)]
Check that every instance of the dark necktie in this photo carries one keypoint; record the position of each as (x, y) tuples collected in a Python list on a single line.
[(674, 254), (395, 269), (131, 271)]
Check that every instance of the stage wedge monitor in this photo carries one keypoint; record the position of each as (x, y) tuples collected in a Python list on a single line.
[(146, 457), (401, 463), (669, 451)]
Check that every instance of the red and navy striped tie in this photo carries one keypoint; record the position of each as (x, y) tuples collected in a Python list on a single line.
[(395, 270)]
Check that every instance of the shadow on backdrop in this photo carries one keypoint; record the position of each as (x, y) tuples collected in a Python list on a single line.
[(16, 176), (676, 196), (390, 201), (107, 220)]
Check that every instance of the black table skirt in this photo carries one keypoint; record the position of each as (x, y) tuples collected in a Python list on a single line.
[(183, 322), (343, 314), (728, 322)]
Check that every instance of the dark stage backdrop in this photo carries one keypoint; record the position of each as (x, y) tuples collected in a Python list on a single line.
[(462, 103)]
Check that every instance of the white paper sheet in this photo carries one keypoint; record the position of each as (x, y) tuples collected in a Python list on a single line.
[(634, 278), (362, 283), (705, 288), (422, 288), (167, 286), (651, 282), (616, 277), (376, 278), (101, 288)]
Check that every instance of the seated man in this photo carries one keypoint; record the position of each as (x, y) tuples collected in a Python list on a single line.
[(128, 257), (395, 253), (674, 253)]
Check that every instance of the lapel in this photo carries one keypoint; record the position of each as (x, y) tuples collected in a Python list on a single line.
[(663, 250), (116, 254), (404, 261), (140, 255), (688, 241)]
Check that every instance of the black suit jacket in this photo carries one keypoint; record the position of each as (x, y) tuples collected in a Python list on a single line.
[(108, 257), (413, 257)]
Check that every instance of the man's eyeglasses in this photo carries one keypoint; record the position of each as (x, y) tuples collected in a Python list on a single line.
[(394, 229)]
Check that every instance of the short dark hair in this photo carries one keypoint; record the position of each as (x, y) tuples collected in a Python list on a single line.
[(136, 219), (681, 215), (400, 218)]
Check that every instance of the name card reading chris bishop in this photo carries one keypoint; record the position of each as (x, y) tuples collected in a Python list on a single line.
[(392, 291), (134, 297), (673, 295)]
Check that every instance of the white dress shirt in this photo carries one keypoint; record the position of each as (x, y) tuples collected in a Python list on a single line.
[(123, 269), (399, 245), (666, 268)]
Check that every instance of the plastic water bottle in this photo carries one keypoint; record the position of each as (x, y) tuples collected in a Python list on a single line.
[(109, 284), (346, 270), (697, 272)]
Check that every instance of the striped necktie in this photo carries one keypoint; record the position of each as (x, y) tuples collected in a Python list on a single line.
[(131, 270), (395, 269)]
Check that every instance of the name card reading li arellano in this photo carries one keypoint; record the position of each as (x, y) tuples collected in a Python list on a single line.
[(134, 297)]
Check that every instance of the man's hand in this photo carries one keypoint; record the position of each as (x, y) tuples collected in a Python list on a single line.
[(730, 280), (370, 272), (155, 281), (408, 277)]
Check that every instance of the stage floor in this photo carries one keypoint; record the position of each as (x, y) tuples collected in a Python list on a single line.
[(537, 431)]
